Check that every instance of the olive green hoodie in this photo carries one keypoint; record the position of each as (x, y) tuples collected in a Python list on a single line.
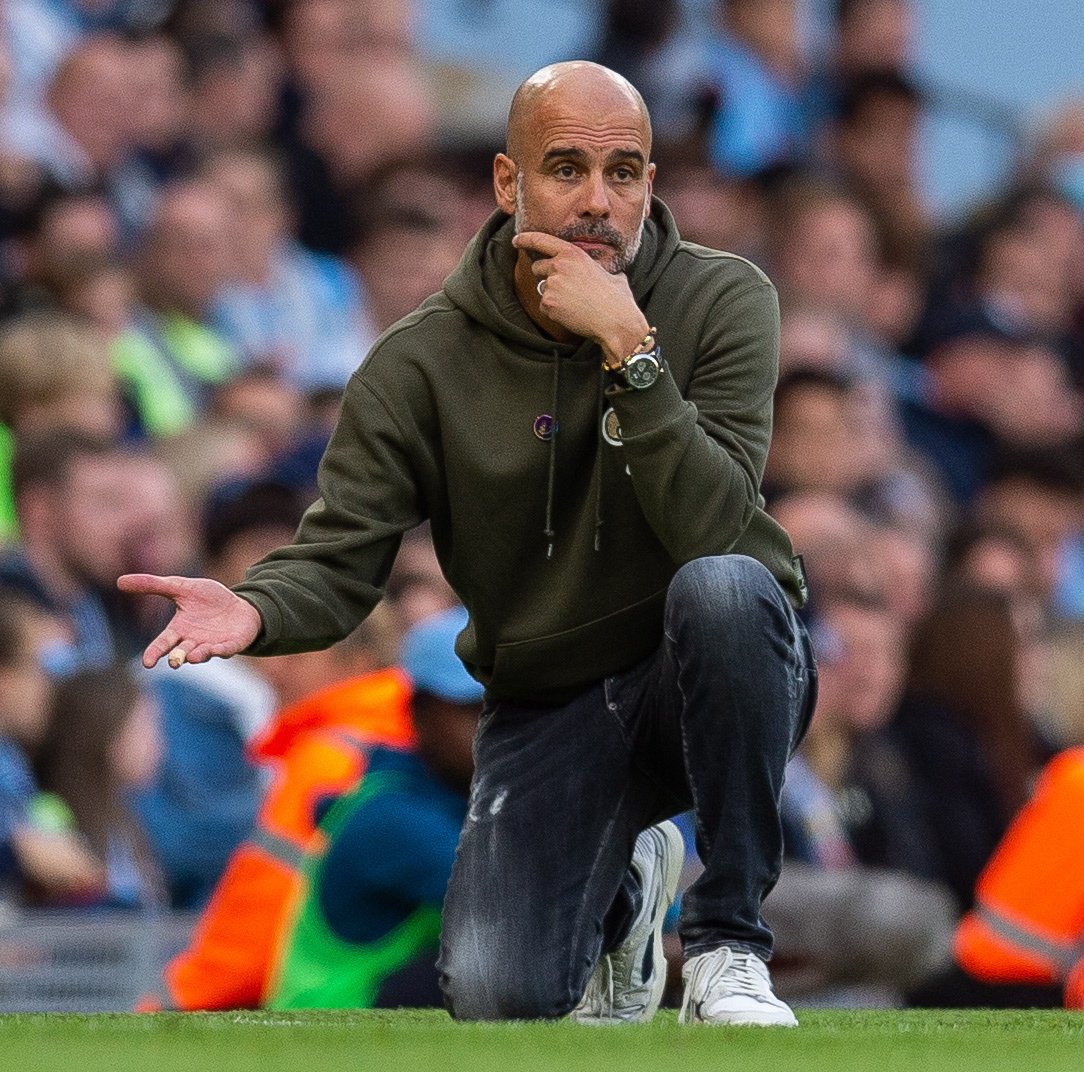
[(561, 548)]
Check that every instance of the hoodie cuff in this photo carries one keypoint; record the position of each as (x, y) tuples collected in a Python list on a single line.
[(642, 412), (269, 614)]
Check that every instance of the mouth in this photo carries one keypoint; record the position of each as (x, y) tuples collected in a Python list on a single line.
[(593, 247)]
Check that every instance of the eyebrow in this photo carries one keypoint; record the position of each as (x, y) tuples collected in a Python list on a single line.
[(570, 153)]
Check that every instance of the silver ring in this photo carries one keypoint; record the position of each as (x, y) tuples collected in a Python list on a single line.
[(541, 287)]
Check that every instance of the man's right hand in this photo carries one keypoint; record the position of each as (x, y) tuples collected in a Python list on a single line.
[(209, 619)]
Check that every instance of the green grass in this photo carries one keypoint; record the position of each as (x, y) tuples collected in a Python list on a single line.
[(430, 1042)]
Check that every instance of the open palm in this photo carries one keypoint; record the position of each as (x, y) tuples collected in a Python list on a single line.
[(209, 620)]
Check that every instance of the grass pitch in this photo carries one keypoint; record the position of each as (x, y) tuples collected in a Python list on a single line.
[(967, 1041)]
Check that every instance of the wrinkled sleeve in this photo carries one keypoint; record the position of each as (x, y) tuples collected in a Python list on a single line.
[(314, 591), (697, 460)]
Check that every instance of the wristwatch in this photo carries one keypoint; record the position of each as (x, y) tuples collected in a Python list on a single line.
[(642, 368)]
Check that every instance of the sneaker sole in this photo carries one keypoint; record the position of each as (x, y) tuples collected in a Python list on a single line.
[(672, 853)]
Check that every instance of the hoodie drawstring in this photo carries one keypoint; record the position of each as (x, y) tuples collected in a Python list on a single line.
[(551, 481), (598, 464)]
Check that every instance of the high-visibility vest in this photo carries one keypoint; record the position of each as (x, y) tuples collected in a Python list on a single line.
[(1027, 925), (318, 749)]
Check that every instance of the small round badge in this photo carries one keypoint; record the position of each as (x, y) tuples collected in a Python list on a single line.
[(545, 427), (611, 430)]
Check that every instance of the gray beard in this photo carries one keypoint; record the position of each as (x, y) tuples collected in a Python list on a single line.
[(624, 252)]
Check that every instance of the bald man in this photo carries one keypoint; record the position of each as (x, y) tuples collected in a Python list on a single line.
[(583, 414)]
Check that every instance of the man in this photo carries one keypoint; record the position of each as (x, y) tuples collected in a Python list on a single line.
[(364, 927), (74, 502), (631, 605)]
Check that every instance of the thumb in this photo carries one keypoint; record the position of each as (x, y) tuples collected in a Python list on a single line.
[(148, 583)]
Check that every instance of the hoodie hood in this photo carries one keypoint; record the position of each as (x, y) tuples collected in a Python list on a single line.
[(483, 286)]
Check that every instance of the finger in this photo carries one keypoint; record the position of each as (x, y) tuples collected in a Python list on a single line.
[(179, 654), (148, 583), (539, 242), (202, 652), (165, 642)]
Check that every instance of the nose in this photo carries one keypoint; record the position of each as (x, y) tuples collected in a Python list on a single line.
[(596, 196)]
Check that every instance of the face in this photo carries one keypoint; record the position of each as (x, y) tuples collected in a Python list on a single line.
[(25, 689), (91, 517), (830, 258), (583, 173), (248, 187), (193, 249), (860, 686), (136, 752), (445, 733)]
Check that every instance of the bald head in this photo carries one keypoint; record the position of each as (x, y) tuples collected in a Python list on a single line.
[(577, 86)]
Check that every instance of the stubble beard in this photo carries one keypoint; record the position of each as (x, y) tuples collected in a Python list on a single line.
[(598, 230)]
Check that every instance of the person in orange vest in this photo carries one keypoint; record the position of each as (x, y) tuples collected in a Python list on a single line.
[(317, 749), (1027, 927)]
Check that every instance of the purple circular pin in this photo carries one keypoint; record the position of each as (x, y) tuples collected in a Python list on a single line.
[(545, 427)]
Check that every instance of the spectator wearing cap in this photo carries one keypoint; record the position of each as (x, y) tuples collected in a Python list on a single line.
[(366, 932)]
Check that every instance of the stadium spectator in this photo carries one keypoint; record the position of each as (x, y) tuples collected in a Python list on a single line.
[(983, 389), (876, 135), (272, 408), (945, 777), (54, 372), (416, 587), (337, 704), (297, 311), (365, 929), (39, 857), (1039, 497), (759, 71), (406, 241), (103, 744), (233, 82), (169, 357), (74, 506), (716, 211), (840, 924), (83, 134), (204, 800)]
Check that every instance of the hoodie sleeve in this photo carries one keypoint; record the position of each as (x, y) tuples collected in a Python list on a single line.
[(697, 460), (317, 589)]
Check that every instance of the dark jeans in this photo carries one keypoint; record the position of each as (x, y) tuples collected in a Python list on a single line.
[(541, 886)]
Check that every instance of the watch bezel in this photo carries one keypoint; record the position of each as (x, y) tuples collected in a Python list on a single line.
[(651, 358)]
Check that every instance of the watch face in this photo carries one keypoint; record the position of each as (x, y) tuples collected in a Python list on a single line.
[(642, 371)]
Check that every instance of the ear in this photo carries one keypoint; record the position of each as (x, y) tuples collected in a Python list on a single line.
[(650, 190), (504, 183)]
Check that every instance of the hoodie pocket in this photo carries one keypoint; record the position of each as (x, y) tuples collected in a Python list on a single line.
[(574, 658)]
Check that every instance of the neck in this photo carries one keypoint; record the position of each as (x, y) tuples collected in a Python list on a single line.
[(60, 582)]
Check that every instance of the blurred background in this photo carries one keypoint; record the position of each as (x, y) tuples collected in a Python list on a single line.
[(209, 209)]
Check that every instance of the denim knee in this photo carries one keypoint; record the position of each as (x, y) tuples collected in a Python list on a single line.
[(722, 591), (514, 988)]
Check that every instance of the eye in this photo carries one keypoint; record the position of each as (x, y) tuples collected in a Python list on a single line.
[(565, 171), (624, 174)]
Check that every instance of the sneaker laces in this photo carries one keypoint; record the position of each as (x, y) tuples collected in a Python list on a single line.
[(735, 972)]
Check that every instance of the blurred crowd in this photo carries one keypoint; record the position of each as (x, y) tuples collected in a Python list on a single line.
[(209, 209)]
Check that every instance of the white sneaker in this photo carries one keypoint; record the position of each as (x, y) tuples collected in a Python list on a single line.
[(731, 986), (627, 985)]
